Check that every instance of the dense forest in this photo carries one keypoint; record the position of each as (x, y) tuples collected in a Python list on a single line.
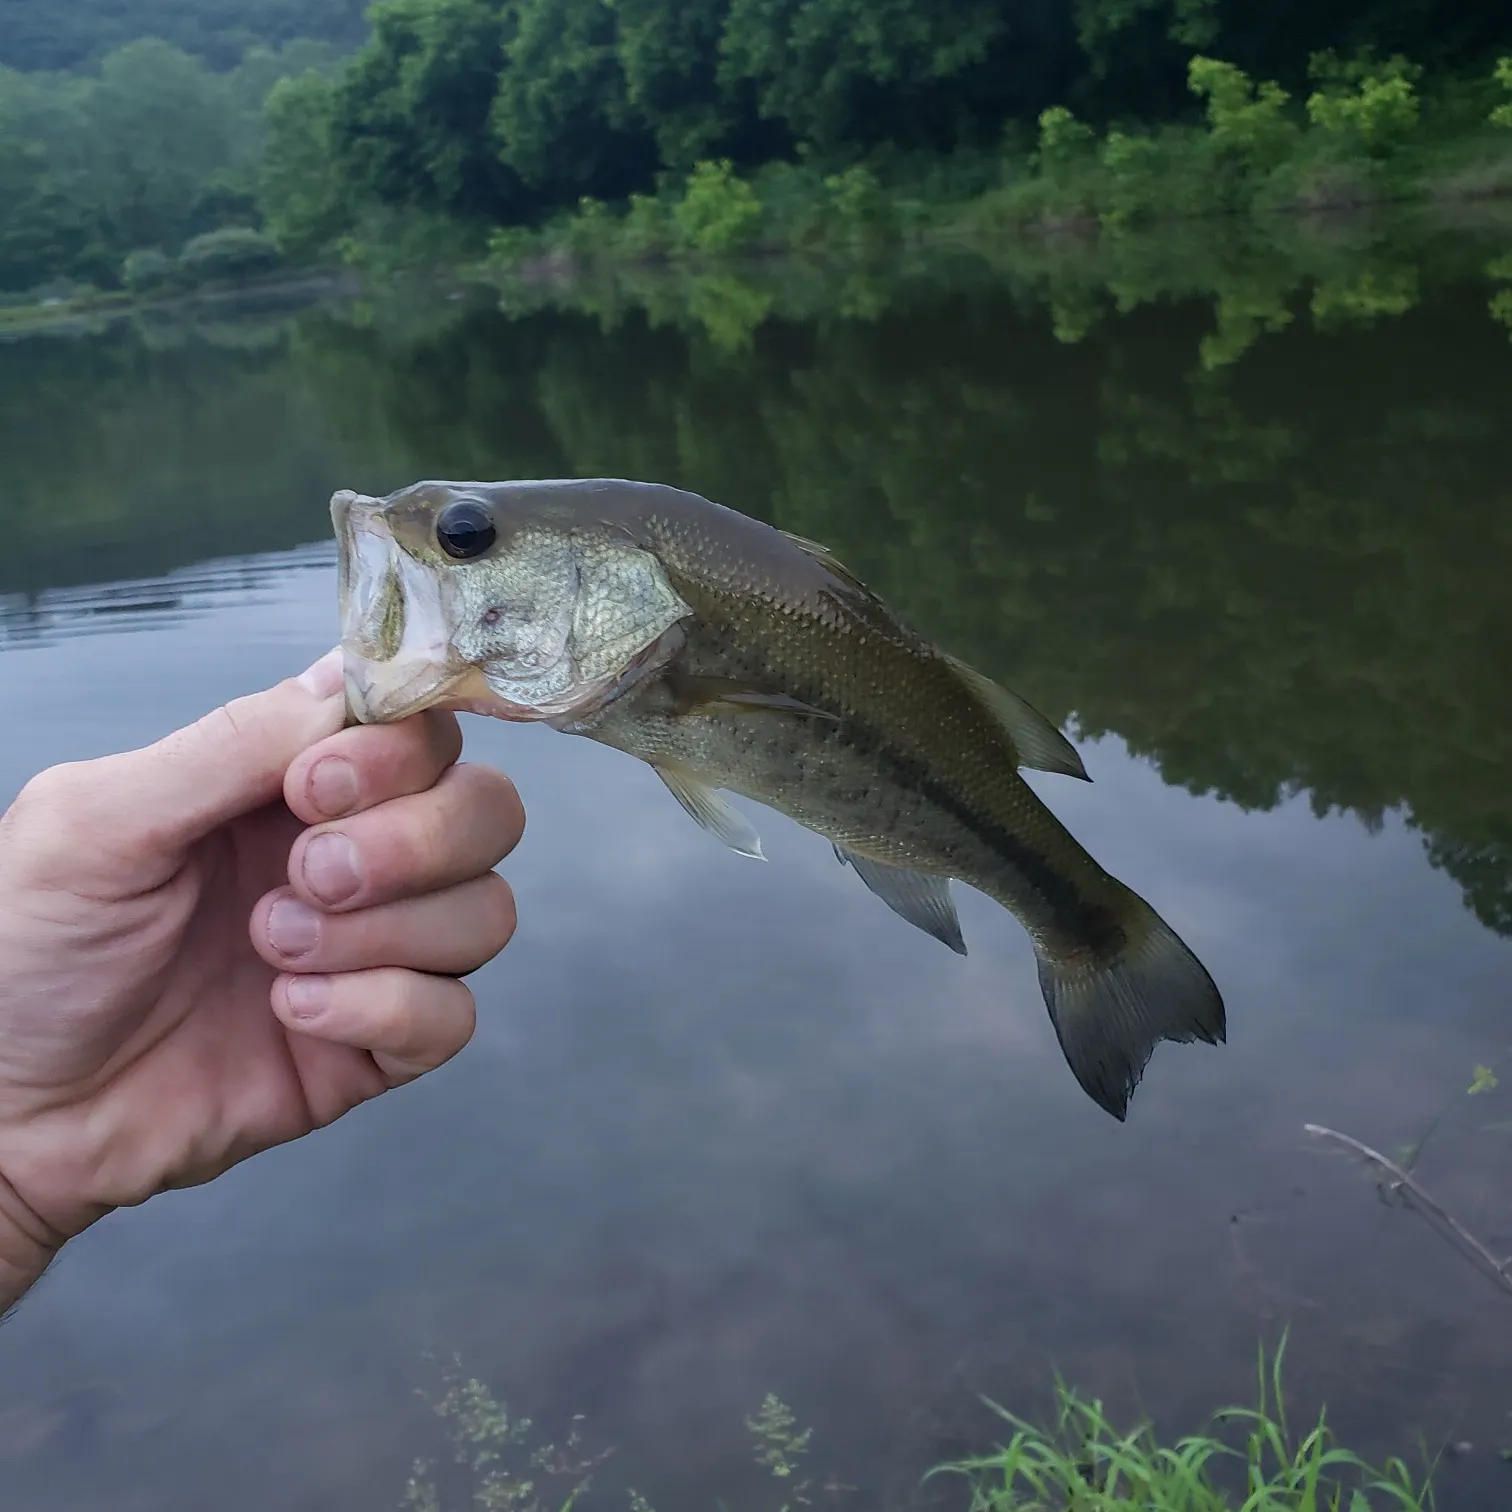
[(708, 124), (72, 35)]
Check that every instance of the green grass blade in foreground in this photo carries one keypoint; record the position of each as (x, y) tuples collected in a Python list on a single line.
[(1084, 1464)]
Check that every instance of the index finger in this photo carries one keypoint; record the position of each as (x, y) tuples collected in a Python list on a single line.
[(365, 765)]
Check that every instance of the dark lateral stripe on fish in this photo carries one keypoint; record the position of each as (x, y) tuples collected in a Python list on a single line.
[(1079, 916)]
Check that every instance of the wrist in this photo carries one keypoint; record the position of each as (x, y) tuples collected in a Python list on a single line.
[(26, 1247)]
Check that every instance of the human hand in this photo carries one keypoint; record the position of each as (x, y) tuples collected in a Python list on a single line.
[(227, 940)]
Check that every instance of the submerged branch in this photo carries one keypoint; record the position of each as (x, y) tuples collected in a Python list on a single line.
[(1406, 1185)]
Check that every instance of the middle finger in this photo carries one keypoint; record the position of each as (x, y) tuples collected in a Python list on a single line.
[(462, 827)]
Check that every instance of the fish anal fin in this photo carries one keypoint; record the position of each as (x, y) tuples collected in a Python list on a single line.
[(1040, 746), (692, 695), (922, 899), (707, 808), (1111, 1013)]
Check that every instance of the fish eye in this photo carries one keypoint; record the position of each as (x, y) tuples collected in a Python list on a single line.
[(465, 530)]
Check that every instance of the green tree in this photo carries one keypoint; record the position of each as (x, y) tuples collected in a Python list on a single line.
[(846, 75), (410, 124), (50, 224), (301, 190), (159, 132), (561, 119), (669, 55)]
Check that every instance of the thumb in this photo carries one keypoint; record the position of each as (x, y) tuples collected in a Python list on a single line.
[(144, 808)]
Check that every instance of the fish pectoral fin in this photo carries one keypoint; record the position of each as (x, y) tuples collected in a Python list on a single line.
[(922, 899), (714, 813), (1040, 746), (692, 694)]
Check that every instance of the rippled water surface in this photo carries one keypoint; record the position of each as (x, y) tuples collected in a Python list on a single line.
[(728, 1129)]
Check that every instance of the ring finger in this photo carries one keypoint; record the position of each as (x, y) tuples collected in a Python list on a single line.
[(447, 933)]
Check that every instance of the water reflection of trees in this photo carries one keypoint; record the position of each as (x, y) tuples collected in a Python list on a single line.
[(1248, 513)]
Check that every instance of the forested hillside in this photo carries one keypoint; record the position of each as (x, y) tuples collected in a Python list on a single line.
[(70, 35), (501, 107), (645, 128)]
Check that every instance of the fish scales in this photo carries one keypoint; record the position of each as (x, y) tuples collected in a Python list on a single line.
[(733, 657), (850, 782)]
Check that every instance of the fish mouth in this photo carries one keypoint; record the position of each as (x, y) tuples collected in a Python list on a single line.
[(396, 651)]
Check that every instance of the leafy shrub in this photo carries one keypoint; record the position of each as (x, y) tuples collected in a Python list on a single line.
[(146, 269), (797, 207), (1247, 122), (647, 231), (1064, 141), (859, 204), (718, 211), (1502, 115), (1133, 184), (1364, 106), (233, 252)]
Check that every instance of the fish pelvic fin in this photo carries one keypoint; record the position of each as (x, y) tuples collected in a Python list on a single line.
[(1111, 1013), (922, 899), (1040, 746), (716, 814)]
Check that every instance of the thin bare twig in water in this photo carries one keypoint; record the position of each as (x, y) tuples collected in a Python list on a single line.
[(1408, 1186)]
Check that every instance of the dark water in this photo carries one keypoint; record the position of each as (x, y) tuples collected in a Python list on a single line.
[(726, 1129)]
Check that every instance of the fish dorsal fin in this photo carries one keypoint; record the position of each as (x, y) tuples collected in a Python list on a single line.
[(923, 900), (1040, 746), (827, 559), (707, 808)]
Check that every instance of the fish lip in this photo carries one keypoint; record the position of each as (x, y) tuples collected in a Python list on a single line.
[(385, 692), (421, 673), (380, 692)]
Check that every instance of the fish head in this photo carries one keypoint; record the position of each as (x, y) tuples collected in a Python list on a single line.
[(516, 600)]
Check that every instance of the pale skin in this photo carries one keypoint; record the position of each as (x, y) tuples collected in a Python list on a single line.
[(228, 940)]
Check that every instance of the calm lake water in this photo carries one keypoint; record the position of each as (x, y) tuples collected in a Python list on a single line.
[(1244, 523)]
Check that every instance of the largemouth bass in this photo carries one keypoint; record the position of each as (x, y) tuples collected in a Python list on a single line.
[(734, 657)]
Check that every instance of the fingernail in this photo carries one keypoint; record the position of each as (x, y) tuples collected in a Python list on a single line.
[(330, 868), (326, 678), (307, 997), (293, 928), (333, 786)]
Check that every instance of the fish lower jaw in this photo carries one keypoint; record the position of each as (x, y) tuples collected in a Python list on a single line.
[(474, 694), (379, 692), (494, 708)]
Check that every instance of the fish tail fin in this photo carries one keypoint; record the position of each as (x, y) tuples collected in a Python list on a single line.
[(1110, 1011)]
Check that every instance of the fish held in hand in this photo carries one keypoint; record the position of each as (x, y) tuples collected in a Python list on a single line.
[(733, 657)]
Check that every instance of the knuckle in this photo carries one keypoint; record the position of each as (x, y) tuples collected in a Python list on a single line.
[(426, 1018), (430, 840), (387, 1005), (39, 797), (227, 720), (495, 795), (506, 918), (54, 807)]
